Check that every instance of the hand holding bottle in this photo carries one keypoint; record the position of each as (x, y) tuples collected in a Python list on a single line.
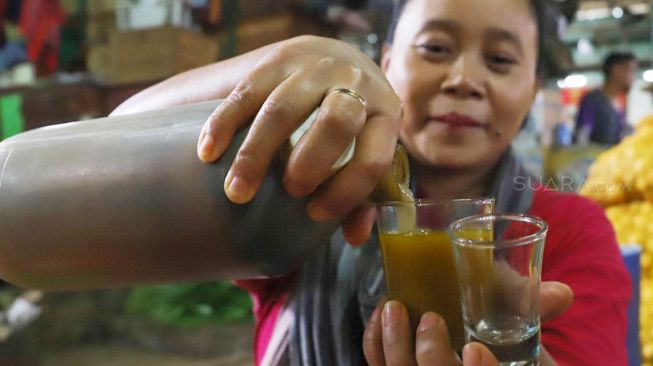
[(288, 83)]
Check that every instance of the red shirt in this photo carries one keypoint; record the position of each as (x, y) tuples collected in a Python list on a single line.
[(581, 251)]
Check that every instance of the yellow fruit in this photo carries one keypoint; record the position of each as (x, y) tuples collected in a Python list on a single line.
[(633, 224), (644, 123), (625, 172), (621, 179)]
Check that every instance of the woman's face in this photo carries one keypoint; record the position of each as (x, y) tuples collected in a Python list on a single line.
[(466, 73)]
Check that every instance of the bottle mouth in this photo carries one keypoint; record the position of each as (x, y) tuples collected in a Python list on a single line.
[(394, 185)]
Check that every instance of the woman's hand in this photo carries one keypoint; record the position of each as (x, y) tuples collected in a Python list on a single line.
[(288, 83), (388, 339)]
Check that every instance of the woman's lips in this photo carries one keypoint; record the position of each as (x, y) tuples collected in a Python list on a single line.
[(457, 120)]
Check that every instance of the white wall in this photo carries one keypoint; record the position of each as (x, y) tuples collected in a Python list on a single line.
[(640, 102)]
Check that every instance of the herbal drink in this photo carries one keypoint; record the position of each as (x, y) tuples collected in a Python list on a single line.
[(420, 272)]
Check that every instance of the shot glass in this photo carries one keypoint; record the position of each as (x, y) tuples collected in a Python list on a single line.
[(418, 258), (499, 260)]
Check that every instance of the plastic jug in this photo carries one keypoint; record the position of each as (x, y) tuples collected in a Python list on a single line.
[(124, 200)]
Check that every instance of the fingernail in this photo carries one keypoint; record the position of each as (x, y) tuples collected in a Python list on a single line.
[(237, 189), (428, 322), (472, 355), (206, 147), (391, 312), (320, 213)]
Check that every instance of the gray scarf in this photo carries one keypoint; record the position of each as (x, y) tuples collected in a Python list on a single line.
[(340, 285)]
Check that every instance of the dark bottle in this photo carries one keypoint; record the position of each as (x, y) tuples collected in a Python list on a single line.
[(124, 200)]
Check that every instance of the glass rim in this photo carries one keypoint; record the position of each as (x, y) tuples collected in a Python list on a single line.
[(505, 243), (437, 202)]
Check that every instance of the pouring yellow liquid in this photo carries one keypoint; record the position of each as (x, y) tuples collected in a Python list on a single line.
[(419, 265)]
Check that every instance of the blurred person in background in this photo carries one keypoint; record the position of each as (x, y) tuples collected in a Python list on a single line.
[(601, 115)]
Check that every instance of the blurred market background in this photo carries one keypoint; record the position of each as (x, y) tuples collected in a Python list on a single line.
[(68, 60)]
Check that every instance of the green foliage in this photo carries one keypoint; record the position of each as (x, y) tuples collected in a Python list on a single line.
[(192, 304)]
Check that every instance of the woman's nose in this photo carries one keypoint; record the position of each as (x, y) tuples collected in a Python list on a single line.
[(465, 79)]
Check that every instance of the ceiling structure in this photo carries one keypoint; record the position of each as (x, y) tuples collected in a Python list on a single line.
[(596, 27), (592, 4)]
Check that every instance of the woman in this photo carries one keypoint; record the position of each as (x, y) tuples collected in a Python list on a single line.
[(466, 72)]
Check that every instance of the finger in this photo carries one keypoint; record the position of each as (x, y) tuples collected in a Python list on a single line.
[(358, 225), (398, 346), (476, 354), (233, 113), (339, 121), (373, 155), (432, 345), (555, 298), (283, 111), (373, 339)]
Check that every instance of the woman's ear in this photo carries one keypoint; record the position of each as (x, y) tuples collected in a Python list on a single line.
[(385, 57)]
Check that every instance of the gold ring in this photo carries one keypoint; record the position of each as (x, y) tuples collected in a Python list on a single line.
[(351, 93)]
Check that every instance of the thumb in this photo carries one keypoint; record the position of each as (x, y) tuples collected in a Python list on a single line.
[(555, 298), (476, 354)]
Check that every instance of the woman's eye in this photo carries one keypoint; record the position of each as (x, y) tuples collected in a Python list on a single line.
[(434, 49), (500, 61)]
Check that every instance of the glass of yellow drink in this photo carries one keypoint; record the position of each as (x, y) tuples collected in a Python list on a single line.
[(418, 258), (499, 261)]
